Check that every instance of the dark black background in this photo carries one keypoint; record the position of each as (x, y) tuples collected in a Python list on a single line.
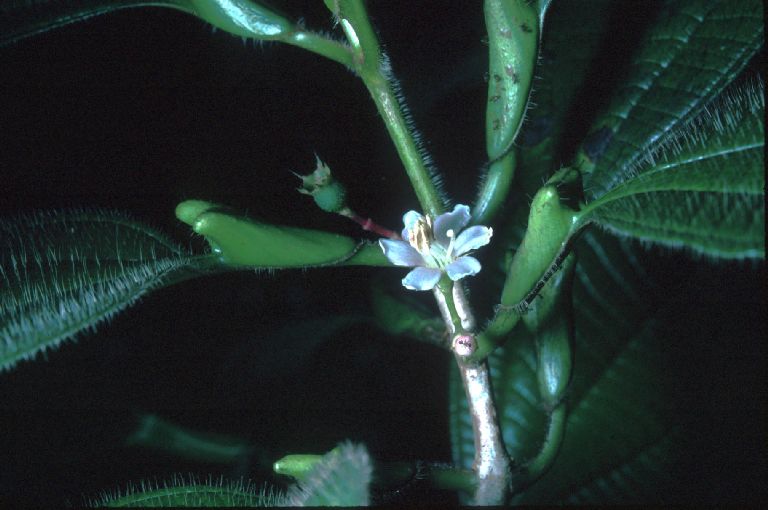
[(141, 109)]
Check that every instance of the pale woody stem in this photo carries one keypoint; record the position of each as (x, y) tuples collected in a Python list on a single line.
[(492, 464)]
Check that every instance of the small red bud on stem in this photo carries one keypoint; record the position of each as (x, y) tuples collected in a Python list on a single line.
[(464, 345)]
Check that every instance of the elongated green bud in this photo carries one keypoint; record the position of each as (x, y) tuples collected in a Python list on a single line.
[(554, 361), (513, 37), (242, 17), (549, 227), (549, 318), (244, 242), (189, 210), (297, 466)]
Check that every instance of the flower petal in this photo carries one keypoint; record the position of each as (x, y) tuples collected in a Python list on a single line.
[(455, 221), (409, 220), (472, 239), (401, 253), (422, 278), (461, 267)]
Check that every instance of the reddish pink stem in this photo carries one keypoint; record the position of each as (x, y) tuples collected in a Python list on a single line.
[(369, 225)]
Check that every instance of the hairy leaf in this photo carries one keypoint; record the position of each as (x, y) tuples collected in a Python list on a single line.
[(65, 272), (191, 493), (702, 188), (694, 50), (341, 478)]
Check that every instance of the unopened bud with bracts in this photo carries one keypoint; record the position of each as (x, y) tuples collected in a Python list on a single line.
[(329, 194)]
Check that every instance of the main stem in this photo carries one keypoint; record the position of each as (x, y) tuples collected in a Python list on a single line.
[(492, 463), (491, 460)]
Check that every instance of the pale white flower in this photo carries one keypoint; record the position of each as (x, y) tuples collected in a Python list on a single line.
[(433, 247)]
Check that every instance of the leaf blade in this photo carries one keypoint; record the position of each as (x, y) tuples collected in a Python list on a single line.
[(66, 272), (702, 188), (689, 56)]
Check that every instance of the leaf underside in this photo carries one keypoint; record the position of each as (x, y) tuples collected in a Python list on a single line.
[(702, 187), (693, 51), (65, 272)]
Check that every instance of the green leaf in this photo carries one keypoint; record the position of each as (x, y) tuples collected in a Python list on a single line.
[(242, 18), (341, 478), (26, 18), (619, 411), (191, 493), (695, 49), (514, 29), (703, 186), (65, 272)]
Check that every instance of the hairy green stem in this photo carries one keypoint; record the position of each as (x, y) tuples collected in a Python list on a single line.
[(316, 43), (392, 115), (367, 62), (491, 460)]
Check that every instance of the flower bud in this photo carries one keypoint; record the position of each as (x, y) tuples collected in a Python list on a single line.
[(243, 18), (329, 194)]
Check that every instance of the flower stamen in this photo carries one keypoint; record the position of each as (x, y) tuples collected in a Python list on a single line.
[(421, 236), (452, 236)]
